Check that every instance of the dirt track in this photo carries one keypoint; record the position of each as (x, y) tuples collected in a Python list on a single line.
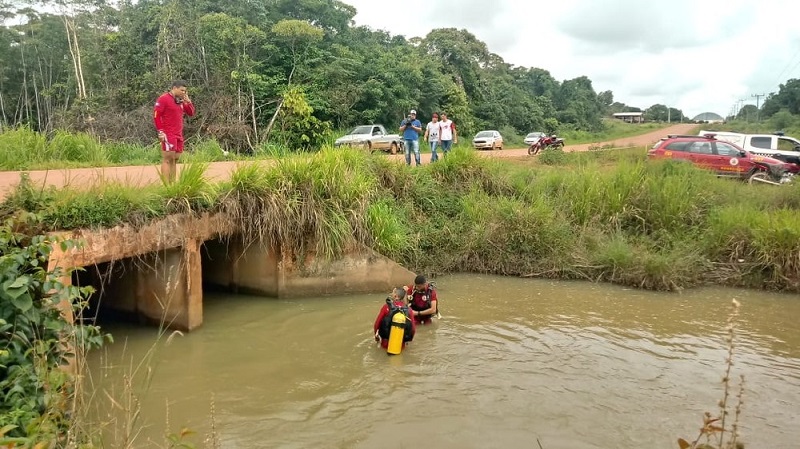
[(142, 175)]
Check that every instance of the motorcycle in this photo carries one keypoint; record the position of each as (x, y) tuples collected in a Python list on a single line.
[(545, 143)]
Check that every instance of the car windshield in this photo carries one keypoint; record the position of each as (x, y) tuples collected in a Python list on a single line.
[(531, 135), (362, 130), (484, 134)]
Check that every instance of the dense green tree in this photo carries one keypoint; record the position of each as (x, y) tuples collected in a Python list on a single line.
[(787, 97), (97, 65), (656, 112), (749, 112)]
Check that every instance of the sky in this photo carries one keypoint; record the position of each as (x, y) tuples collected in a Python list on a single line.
[(697, 56)]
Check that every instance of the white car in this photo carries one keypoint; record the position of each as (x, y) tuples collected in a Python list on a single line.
[(488, 140), (533, 137)]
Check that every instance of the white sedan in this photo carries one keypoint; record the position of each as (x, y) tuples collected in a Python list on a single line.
[(533, 137)]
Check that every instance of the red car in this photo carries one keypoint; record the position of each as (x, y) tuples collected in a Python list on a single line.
[(723, 158)]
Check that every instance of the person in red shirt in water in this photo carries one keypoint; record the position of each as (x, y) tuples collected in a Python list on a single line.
[(168, 117), (422, 300), (383, 321)]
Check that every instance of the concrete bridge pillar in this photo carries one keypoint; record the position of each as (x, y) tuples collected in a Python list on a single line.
[(172, 291)]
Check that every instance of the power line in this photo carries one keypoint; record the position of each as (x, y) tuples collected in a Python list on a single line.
[(758, 109), (796, 54)]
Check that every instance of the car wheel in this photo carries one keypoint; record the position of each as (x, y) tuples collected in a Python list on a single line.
[(368, 147), (393, 148), (758, 176)]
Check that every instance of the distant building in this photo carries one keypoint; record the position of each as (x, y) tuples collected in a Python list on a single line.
[(708, 117), (630, 117)]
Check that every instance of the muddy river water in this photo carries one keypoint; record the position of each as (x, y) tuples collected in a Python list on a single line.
[(512, 361)]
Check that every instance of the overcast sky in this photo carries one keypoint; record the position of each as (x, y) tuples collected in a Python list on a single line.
[(697, 56)]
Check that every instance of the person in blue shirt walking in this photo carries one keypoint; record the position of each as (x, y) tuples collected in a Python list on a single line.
[(411, 127)]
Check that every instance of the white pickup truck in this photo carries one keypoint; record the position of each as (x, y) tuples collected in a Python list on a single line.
[(776, 146), (371, 138)]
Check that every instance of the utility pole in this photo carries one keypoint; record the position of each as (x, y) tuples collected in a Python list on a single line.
[(758, 109), (739, 104)]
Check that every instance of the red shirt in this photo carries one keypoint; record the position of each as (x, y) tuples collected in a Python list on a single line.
[(385, 311), (168, 116)]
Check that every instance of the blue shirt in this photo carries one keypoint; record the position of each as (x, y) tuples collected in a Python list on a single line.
[(410, 133)]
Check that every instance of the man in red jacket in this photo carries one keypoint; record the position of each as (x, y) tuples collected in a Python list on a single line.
[(168, 117), (382, 325)]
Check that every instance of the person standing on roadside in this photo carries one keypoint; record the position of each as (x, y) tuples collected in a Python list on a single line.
[(447, 134), (168, 115), (411, 127), (432, 136)]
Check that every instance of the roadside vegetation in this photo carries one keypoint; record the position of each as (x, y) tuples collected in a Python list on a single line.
[(602, 216), (24, 149)]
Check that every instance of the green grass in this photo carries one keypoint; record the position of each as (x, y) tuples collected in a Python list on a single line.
[(618, 218), (24, 149)]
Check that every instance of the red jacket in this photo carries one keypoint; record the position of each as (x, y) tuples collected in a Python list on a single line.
[(382, 313), (168, 115)]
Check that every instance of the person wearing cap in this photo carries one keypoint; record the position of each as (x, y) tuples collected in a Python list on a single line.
[(432, 136), (411, 127), (422, 300)]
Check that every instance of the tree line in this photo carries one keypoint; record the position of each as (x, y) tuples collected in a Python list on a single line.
[(281, 71)]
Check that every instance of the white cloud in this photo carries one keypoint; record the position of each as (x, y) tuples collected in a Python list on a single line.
[(696, 56)]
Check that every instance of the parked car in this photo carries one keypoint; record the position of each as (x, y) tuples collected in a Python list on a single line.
[(533, 137), (488, 140), (723, 158), (777, 146), (371, 138)]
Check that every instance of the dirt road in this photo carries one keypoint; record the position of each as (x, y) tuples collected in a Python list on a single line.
[(143, 175)]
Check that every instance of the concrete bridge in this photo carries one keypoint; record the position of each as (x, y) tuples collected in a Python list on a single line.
[(158, 273)]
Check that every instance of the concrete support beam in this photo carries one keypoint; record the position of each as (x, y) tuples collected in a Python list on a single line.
[(172, 292)]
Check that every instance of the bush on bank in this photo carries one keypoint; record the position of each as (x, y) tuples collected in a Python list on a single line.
[(603, 216), (36, 391)]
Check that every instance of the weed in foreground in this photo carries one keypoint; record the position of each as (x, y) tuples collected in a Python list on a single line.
[(715, 432)]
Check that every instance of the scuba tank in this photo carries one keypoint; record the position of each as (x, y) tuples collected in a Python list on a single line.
[(397, 330)]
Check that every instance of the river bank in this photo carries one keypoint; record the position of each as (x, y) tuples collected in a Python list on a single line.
[(602, 216)]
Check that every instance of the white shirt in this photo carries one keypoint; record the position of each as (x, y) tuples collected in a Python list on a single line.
[(446, 132), (433, 131)]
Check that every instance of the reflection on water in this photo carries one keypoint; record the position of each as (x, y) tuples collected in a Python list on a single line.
[(572, 364)]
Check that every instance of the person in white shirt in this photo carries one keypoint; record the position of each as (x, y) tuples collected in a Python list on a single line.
[(432, 136), (447, 134)]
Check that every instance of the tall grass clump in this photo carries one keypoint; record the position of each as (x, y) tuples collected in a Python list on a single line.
[(493, 235), (755, 248), (553, 156), (306, 203), (644, 263), (675, 197), (191, 191), (21, 147), (77, 147), (463, 169), (388, 226)]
